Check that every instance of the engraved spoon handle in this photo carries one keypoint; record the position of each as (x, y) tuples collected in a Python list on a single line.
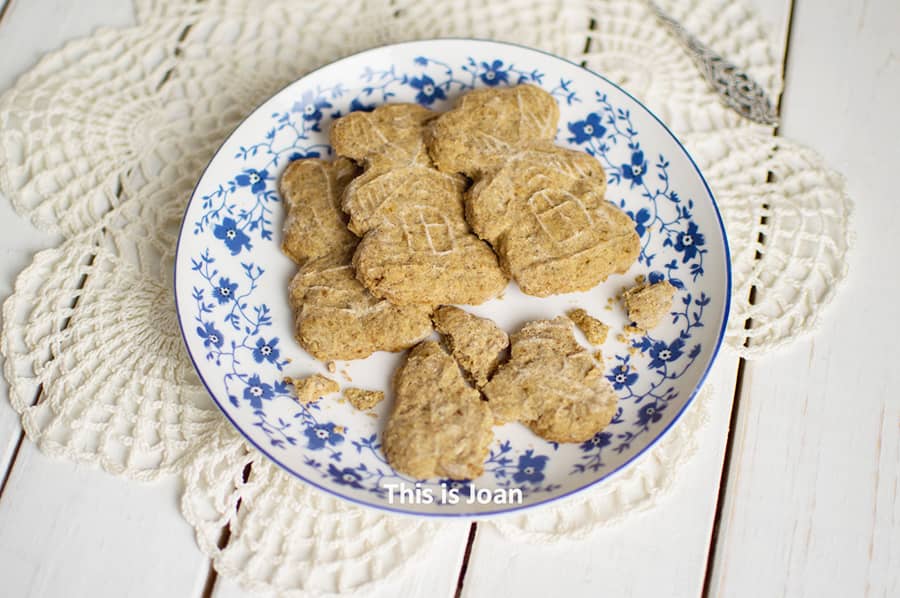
[(735, 87)]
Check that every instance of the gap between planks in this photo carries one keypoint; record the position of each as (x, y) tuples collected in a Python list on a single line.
[(7, 467), (736, 400), (464, 566), (4, 6)]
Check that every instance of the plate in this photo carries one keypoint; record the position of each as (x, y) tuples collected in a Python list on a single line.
[(231, 282)]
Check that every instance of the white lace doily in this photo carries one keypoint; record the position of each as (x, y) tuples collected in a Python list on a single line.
[(103, 140)]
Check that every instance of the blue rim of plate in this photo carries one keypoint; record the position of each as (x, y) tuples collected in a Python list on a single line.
[(506, 511)]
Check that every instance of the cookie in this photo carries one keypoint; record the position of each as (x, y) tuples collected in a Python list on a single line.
[(417, 247), (551, 384), (486, 125), (545, 215), (439, 426), (385, 138), (428, 257), (647, 304), (476, 344), (337, 318), (363, 399), (312, 190), (593, 329), (377, 197), (312, 388)]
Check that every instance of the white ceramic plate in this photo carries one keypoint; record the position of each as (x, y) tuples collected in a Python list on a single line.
[(231, 278)]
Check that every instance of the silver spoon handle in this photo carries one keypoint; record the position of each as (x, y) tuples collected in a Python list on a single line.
[(735, 87)]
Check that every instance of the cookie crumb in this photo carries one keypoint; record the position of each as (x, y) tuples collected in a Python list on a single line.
[(363, 399), (647, 304), (346, 375), (598, 355), (312, 388), (593, 329), (331, 367)]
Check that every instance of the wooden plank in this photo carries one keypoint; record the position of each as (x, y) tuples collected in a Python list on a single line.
[(74, 531), (812, 506), (434, 576), (638, 557)]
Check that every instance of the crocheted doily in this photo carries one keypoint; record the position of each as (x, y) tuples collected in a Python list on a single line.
[(103, 140)]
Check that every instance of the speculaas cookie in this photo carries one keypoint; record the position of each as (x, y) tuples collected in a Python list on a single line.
[(439, 426), (337, 318), (314, 225), (387, 137), (487, 125), (545, 214)]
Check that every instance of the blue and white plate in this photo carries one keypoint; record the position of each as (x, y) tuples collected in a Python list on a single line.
[(231, 278)]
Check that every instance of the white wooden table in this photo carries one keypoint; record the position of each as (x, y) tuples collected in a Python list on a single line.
[(795, 489)]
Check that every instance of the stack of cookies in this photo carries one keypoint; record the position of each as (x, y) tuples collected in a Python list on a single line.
[(421, 211)]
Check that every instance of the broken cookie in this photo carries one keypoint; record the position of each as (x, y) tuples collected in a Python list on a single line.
[(487, 125), (311, 190), (312, 388), (337, 318), (475, 343), (647, 304), (439, 426), (363, 399), (593, 329), (551, 384), (545, 215)]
